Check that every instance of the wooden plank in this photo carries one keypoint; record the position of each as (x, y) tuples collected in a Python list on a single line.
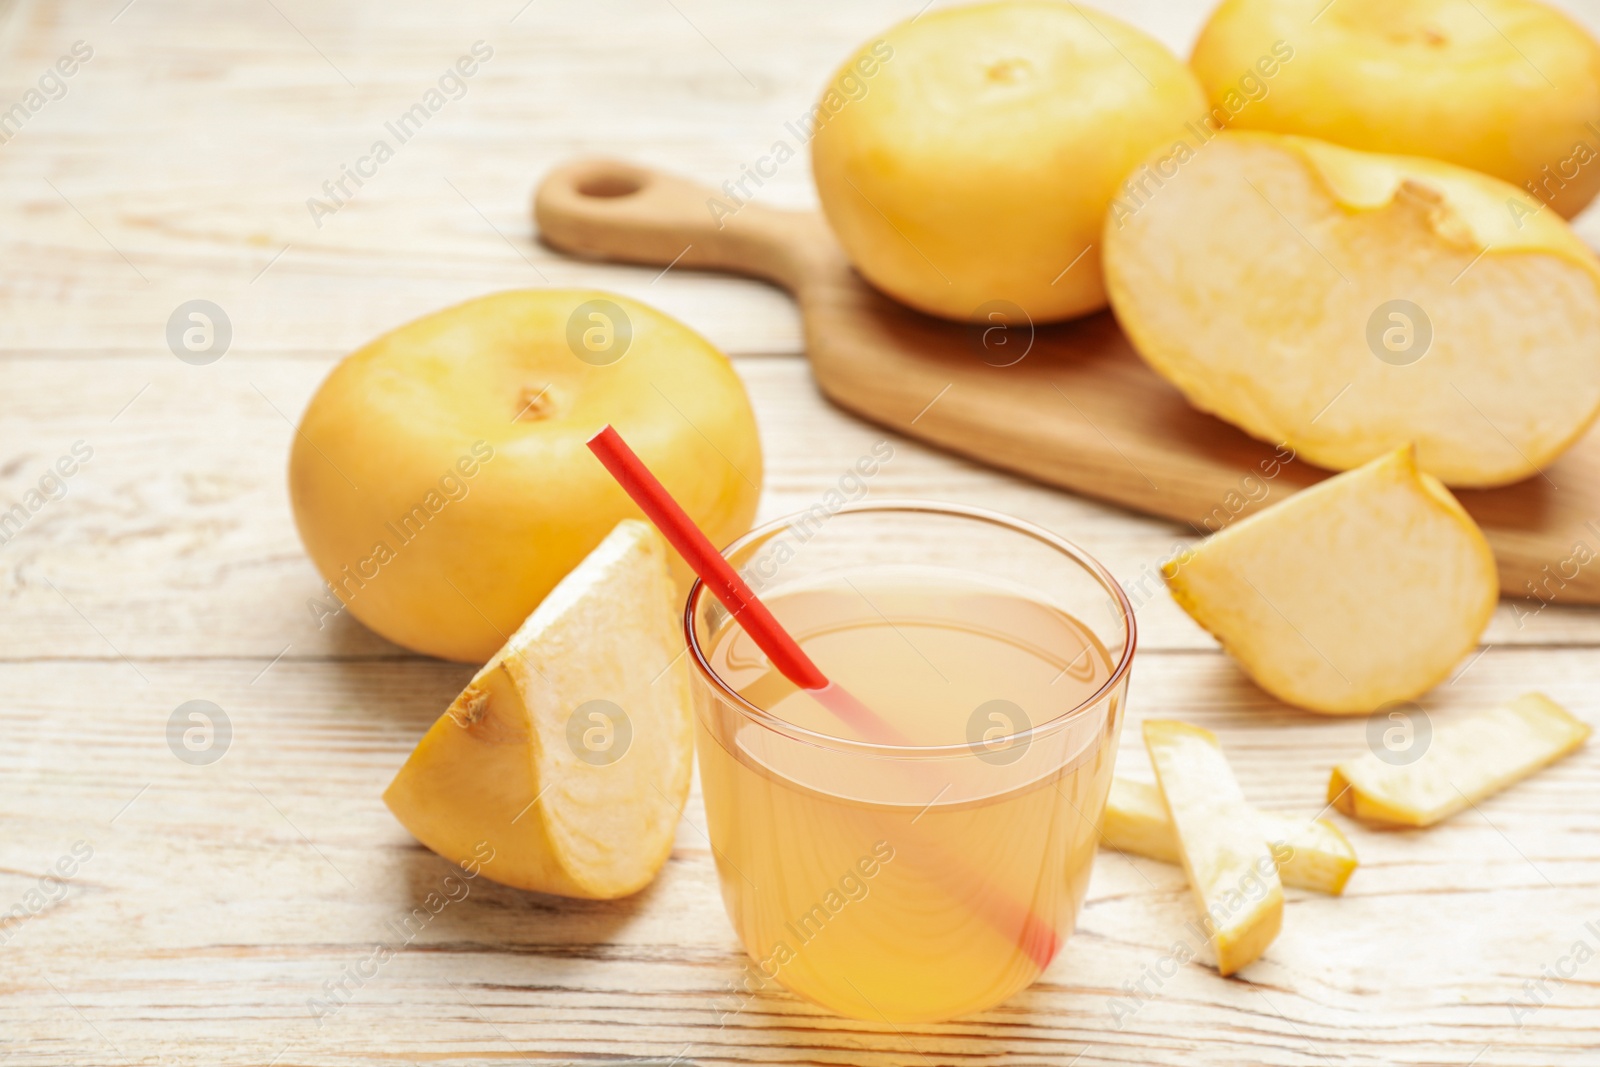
[(220, 898), (193, 154), (175, 538)]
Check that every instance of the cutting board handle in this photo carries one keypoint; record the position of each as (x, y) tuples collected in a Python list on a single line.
[(607, 209)]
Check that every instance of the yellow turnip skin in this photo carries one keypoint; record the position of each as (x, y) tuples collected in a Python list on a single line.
[(975, 160), (1510, 88), (440, 479)]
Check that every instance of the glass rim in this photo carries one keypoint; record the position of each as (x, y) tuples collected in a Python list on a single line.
[(761, 717)]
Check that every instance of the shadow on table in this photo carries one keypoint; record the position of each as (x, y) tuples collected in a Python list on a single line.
[(451, 910)]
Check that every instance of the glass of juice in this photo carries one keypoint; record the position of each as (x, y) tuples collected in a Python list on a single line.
[(934, 876)]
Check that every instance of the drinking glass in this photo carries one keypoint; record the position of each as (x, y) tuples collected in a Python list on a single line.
[(933, 878)]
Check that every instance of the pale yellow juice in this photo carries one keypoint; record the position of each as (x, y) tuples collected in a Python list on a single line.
[(902, 889)]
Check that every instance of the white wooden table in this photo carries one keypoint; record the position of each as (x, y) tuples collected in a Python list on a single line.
[(217, 901)]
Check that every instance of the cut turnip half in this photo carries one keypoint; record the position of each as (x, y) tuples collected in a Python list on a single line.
[(1344, 303)]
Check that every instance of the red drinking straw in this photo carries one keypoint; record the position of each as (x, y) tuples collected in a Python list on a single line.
[(1038, 938), (726, 584)]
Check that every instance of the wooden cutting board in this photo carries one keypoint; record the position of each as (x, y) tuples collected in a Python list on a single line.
[(1070, 404)]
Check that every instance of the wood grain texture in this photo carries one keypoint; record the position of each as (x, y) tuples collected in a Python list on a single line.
[(148, 585), (219, 900)]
